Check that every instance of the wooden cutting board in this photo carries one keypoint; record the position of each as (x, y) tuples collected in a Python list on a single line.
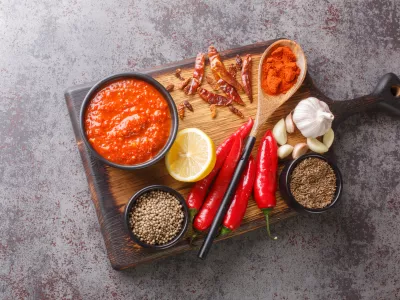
[(112, 188)]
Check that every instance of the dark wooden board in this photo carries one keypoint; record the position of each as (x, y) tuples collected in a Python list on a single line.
[(111, 188)]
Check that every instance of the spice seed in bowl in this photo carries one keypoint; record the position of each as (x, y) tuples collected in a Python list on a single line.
[(156, 218), (313, 183)]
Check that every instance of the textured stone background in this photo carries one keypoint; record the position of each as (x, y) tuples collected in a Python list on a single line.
[(50, 244)]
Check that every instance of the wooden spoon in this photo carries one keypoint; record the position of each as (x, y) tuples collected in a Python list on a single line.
[(267, 104)]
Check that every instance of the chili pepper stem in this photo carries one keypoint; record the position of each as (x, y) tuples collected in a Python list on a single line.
[(266, 214), (224, 231), (192, 214), (192, 238)]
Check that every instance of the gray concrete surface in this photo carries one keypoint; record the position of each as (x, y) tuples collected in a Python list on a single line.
[(50, 244)]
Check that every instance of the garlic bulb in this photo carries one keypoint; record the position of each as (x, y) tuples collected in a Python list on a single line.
[(312, 117)]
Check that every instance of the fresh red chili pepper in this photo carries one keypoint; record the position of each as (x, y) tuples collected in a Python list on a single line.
[(212, 98), (206, 215), (237, 209), (266, 173), (200, 188), (246, 76), (230, 92)]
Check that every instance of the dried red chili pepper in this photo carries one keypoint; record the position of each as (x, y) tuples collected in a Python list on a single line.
[(187, 87), (246, 77), (223, 84), (181, 111), (232, 70), (212, 98), (204, 218), (169, 87), (238, 62), (198, 192), (230, 92), (213, 110), (237, 209), (198, 74), (188, 105), (235, 111), (266, 172), (184, 84), (212, 82), (191, 88), (178, 74), (218, 68)]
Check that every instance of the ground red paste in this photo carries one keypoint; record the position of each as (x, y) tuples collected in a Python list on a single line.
[(128, 122), (279, 71)]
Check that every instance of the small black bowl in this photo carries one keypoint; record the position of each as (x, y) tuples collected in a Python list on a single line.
[(133, 201), (284, 184), (171, 105)]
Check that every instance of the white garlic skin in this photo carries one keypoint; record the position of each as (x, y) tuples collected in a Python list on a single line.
[(312, 117)]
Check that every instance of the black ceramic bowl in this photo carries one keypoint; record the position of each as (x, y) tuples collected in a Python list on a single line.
[(133, 201), (284, 184), (172, 109)]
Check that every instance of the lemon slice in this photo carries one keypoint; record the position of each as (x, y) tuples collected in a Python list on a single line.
[(192, 156)]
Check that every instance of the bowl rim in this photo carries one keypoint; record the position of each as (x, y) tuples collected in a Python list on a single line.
[(172, 108), (132, 201), (339, 181)]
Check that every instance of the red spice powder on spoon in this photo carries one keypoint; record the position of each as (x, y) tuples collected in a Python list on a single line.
[(279, 71)]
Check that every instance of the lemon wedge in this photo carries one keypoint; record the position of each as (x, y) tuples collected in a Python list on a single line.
[(192, 155)]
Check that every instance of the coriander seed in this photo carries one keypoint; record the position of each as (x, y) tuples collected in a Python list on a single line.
[(313, 183)]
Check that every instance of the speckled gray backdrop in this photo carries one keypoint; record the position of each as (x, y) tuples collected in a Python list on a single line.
[(50, 243)]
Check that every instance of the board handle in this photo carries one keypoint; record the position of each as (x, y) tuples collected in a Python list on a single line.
[(386, 96)]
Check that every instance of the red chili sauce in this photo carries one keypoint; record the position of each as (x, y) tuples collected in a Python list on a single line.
[(128, 122)]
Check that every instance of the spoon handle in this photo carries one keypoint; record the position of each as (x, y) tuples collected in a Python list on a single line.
[(230, 192)]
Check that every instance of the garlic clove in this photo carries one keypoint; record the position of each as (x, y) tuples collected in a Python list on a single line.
[(284, 151), (312, 117), (316, 145), (299, 150), (279, 132), (289, 123), (328, 138)]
